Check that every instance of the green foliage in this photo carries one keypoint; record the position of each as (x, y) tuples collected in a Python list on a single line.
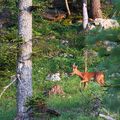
[(7, 103), (97, 35), (110, 64), (116, 10), (75, 104), (8, 52), (107, 8)]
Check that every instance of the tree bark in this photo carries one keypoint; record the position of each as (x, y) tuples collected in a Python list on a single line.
[(85, 14), (24, 63), (96, 9)]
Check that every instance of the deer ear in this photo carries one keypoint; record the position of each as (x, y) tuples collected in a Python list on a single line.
[(73, 65)]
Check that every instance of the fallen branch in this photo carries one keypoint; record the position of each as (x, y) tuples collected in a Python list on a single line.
[(13, 78), (112, 85), (106, 117), (53, 112)]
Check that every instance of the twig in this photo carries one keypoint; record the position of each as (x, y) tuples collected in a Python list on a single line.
[(106, 117), (112, 85), (13, 78), (18, 78), (6, 87), (67, 7)]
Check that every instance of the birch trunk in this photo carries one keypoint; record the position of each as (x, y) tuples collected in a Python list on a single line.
[(67, 7), (85, 14), (24, 63)]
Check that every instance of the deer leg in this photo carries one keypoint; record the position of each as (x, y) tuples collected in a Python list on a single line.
[(100, 81), (85, 82)]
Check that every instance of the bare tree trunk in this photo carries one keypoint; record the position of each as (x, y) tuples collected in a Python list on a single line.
[(24, 63), (86, 60), (110, 1), (96, 9), (85, 14), (67, 7)]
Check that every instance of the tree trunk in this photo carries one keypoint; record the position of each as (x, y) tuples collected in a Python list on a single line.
[(85, 14), (67, 7), (96, 9), (24, 63)]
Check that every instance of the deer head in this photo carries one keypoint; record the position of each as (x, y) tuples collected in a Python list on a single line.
[(75, 69)]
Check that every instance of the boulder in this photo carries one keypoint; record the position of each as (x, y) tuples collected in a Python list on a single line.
[(56, 89), (106, 23), (109, 45), (53, 77)]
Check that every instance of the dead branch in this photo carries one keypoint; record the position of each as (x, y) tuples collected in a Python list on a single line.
[(86, 59), (53, 112), (18, 78), (106, 117), (67, 7), (112, 85), (13, 78)]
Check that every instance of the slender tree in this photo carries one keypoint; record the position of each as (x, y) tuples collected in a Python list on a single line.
[(67, 7), (24, 63), (85, 14), (96, 9)]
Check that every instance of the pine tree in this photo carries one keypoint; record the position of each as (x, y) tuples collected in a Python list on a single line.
[(24, 64)]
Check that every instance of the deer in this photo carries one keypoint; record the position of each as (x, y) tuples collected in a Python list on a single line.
[(87, 76)]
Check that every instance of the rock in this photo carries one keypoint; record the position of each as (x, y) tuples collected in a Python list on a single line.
[(65, 42), (91, 27), (91, 53), (109, 45), (53, 77), (106, 117), (66, 55), (56, 89), (106, 23), (65, 75), (103, 23)]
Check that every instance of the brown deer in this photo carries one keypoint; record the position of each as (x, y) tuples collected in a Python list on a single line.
[(87, 76)]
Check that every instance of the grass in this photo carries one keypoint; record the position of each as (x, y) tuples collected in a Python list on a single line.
[(75, 104), (8, 106), (7, 114)]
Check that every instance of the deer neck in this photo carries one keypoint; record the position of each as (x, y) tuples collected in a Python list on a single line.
[(78, 73)]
